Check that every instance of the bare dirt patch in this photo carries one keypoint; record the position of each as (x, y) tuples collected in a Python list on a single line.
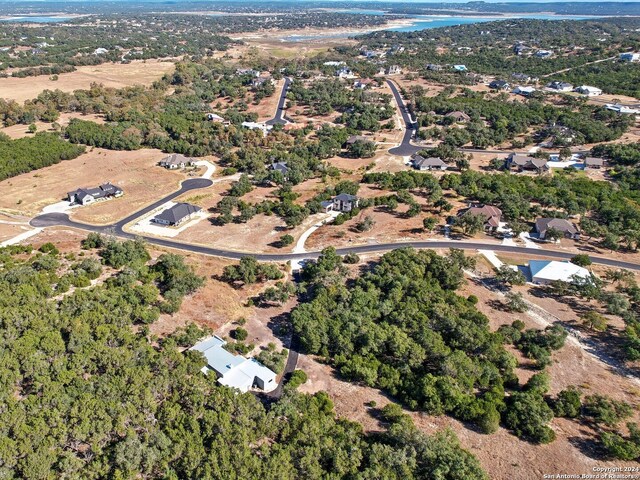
[(10, 230), (114, 75)]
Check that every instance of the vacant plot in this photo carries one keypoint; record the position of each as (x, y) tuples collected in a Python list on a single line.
[(136, 172), (109, 74)]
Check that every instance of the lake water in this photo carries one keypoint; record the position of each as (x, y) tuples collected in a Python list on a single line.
[(422, 22), (36, 19)]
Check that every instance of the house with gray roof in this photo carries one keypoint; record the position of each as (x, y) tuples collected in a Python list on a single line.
[(86, 196), (568, 229), (176, 214), (175, 161), (522, 162), (345, 202), (593, 162), (431, 163), (544, 272), (458, 116), (280, 167), (235, 371)]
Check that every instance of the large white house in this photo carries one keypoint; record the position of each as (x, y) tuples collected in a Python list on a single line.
[(589, 91), (235, 371), (544, 272)]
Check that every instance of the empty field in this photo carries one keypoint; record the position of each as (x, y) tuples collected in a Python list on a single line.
[(108, 74)]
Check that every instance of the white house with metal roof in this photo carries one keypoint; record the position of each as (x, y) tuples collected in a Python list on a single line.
[(546, 271), (235, 371)]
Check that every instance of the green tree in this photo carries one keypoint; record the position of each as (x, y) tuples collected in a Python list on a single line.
[(510, 276), (594, 321), (582, 260)]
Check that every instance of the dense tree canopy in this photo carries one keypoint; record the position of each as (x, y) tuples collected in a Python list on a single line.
[(86, 393)]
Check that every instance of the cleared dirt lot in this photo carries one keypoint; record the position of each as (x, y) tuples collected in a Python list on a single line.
[(136, 172), (109, 74)]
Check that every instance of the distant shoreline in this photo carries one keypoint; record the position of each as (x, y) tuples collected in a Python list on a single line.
[(26, 16)]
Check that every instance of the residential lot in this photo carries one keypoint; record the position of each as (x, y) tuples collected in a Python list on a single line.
[(135, 172)]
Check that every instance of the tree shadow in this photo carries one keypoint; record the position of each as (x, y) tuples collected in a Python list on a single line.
[(281, 327), (588, 446)]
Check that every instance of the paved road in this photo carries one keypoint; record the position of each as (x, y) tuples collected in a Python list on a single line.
[(280, 117), (406, 148), (53, 219), (62, 219)]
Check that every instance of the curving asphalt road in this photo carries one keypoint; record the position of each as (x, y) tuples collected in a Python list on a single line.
[(406, 148), (62, 219), (280, 117)]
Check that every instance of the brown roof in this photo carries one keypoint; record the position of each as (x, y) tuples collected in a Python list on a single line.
[(492, 214), (525, 161), (458, 115), (594, 161)]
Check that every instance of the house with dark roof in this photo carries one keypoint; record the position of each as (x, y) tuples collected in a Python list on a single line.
[(491, 215), (520, 49), (86, 196), (175, 161), (560, 86), (431, 163), (568, 229), (521, 162), (280, 167), (459, 116), (177, 214), (345, 202), (499, 85)]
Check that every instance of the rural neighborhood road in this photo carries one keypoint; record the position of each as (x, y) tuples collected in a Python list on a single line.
[(280, 117), (62, 219), (406, 148)]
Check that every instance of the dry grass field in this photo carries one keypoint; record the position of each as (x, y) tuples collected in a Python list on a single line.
[(109, 74), (136, 172), (19, 131)]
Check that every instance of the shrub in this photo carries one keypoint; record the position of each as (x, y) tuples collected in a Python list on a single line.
[(567, 404), (298, 377), (239, 334)]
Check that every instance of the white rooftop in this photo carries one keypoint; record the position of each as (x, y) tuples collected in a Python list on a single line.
[(550, 270), (235, 371)]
